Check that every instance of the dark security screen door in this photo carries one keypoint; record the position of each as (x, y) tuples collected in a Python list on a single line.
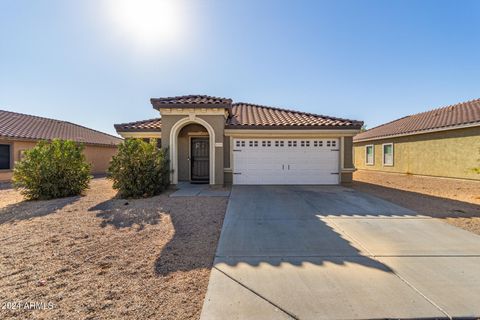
[(200, 160)]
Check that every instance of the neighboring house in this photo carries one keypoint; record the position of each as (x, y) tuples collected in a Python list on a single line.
[(444, 142), (19, 132), (213, 140)]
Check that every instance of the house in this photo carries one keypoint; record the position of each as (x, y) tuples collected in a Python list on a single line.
[(444, 142), (213, 140), (19, 132)]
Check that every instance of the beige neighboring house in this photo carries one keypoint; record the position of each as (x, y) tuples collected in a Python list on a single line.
[(213, 140), (444, 142), (19, 132)]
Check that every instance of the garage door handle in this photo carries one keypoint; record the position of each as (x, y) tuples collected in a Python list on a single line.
[(334, 173), (288, 167), (237, 173)]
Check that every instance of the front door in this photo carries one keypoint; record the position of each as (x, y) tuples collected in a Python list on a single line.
[(199, 160)]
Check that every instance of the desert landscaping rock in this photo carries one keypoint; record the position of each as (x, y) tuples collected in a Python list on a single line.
[(101, 259)]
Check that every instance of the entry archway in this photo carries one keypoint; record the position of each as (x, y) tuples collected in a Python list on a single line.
[(174, 132)]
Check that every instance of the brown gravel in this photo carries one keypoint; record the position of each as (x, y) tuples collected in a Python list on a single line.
[(97, 257), (457, 201)]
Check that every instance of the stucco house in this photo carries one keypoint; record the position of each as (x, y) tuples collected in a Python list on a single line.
[(443, 142), (19, 132), (213, 140)]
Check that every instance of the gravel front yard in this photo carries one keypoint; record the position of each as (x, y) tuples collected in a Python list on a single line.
[(456, 201), (97, 257)]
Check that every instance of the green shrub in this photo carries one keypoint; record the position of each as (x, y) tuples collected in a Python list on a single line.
[(139, 169), (52, 170)]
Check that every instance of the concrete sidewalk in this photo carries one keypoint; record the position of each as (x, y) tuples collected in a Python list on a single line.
[(330, 252)]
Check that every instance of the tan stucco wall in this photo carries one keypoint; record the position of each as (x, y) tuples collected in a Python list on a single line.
[(228, 178), (226, 152), (348, 152), (450, 153), (98, 156), (217, 122)]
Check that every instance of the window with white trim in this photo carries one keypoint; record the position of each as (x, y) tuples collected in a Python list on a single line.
[(5, 163), (387, 154), (369, 155)]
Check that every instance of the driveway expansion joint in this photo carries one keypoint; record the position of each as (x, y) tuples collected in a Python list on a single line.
[(257, 294)]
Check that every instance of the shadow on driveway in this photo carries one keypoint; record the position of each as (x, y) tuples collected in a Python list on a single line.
[(293, 225)]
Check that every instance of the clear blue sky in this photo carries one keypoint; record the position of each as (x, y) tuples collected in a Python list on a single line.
[(91, 63)]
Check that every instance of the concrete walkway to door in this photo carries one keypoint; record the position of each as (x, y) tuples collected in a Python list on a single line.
[(317, 252)]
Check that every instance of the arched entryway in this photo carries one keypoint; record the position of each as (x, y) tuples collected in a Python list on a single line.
[(192, 156)]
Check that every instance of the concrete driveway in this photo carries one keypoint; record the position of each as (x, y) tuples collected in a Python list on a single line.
[(314, 252)]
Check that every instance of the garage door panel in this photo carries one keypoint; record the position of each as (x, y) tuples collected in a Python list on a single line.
[(286, 161)]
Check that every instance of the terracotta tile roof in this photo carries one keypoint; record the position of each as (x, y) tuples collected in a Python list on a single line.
[(192, 101), (22, 126), (144, 125), (248, 116), (450, 116), (245, 115)]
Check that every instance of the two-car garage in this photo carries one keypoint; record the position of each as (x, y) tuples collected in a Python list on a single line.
[(286, 161)]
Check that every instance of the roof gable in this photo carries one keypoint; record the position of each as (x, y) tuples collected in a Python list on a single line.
[(452, 116), (191, 101)]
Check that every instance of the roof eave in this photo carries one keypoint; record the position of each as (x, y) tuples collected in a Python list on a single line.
[(136, 130), (294, 127), (19, 138), (413, 133)]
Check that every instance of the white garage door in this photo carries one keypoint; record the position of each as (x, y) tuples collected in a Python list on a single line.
[(285, 161)]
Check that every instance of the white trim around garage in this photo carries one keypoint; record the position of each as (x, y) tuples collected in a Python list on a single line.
[(280, 133)]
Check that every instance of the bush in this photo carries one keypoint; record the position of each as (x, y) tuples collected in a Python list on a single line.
[(140, 169), (52, 170)]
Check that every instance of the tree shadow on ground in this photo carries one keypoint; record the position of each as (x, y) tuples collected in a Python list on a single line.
[(122, 213), (197, 222), (25, 210)]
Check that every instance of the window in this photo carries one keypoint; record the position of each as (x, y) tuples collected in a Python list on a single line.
[(387, 154), (369, 155), (4, 156)]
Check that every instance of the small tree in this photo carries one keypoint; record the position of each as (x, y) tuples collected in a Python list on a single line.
[(139, 169), (52, 170)]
